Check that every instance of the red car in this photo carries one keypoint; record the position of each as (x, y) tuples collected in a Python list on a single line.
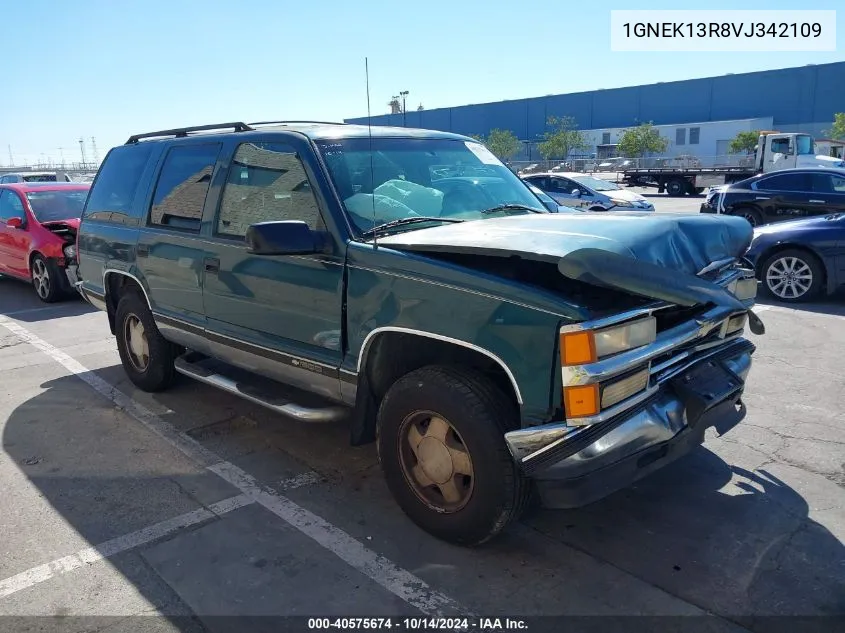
[(38, 225)]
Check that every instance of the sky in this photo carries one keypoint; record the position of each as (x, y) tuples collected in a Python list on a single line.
[(108, 69)]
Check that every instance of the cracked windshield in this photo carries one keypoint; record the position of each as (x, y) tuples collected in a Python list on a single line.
[(441, 180)]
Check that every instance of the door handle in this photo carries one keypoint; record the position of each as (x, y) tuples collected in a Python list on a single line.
[(142, 250), (212, 265), (819, 201), (761, 198)]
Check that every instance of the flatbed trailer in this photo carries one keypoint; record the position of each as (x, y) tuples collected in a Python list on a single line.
[(677, 181)]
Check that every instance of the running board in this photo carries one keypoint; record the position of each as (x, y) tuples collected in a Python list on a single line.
[(207, 370)]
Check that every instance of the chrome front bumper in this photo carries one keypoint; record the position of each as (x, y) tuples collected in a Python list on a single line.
[(576, 465)]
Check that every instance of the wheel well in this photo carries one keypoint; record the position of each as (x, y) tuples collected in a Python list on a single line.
[(31, 258), (391, 355), (778, 248), (115, 285)]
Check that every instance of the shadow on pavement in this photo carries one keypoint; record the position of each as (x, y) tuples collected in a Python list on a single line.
[(833, 305), (19, 300), (735, 543)]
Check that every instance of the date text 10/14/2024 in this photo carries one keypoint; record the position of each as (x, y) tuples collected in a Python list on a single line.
[(419, 624)]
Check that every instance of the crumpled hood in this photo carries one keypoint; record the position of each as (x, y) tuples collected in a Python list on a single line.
[(687, 243), (71, 222)]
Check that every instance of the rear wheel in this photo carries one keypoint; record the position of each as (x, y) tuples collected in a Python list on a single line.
[(793, 275), (441, 447), (676, 187), (147, 357), (45, 279)]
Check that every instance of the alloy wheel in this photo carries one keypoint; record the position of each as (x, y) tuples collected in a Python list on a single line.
[(41, 278), (789, 277)]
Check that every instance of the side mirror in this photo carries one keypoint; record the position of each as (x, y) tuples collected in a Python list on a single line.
[(288, 237), (551, 205), (14, 223), (576, 193)]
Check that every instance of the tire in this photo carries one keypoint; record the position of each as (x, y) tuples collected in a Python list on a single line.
[(45, 279), (158, 373), (676, 187), (477, 414), (806, 286), (754, 217)]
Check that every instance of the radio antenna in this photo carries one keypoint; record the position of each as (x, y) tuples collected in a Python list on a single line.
[(370, 135)]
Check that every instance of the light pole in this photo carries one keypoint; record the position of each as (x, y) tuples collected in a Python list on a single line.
[(404, 95)]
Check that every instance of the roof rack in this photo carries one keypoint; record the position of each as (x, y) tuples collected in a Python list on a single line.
[(183, 131), (289, 122)]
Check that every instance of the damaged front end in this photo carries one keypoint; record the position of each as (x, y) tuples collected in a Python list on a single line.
[(67, 230), (639, 388)]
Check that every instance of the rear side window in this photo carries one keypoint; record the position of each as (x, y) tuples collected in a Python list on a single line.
[(117, 183), (182, 186)]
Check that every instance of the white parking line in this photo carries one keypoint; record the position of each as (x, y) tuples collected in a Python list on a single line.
[(384, 572), (91, 555)]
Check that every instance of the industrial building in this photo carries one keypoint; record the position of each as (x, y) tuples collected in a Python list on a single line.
[(698, 116)]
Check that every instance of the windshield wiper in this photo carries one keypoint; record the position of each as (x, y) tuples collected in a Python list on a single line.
[(402, 221), (510, 207)]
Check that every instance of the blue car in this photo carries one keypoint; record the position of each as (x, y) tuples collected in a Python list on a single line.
[(799, 260)]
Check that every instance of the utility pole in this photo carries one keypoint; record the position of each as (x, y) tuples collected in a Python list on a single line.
[(62, 155), (404, 95), (82, 151), (11, 160), (94, 150)]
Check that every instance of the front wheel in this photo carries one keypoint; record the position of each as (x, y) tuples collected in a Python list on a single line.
[(441, 447), (45, 279), (752, 215)]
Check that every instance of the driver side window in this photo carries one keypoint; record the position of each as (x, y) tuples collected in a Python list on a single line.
[(266, 182)]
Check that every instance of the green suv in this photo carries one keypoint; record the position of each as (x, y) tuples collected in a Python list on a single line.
[(408, 284)]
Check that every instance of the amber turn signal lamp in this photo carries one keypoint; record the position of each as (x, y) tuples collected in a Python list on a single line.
[(581, 401), (577, 348)]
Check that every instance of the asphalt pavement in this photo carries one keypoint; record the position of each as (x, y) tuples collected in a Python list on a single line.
[(193, 504)]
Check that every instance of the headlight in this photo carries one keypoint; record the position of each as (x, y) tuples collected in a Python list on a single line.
[(621, 203), (583, 347), (588, 346), (70, 251)]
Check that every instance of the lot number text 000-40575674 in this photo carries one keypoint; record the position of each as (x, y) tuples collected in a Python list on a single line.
[(723, 31)]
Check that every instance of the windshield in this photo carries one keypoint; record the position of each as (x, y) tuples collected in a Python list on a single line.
[(56, 205), (596, 184), (804, 145), (434, 178)]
